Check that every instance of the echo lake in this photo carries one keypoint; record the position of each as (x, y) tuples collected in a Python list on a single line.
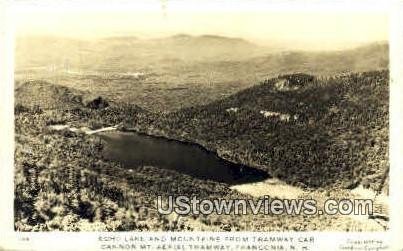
[(133, 149)]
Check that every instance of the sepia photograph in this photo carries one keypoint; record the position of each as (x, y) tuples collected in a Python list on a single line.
[(219, 117), (119, 113)]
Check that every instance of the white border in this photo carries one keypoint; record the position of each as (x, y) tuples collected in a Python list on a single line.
[(88, 241)]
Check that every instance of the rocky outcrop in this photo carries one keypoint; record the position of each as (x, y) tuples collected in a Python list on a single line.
[(96, 103)]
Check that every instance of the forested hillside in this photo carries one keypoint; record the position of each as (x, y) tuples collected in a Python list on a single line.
[(306, 130), (309, 131), (63, 182)]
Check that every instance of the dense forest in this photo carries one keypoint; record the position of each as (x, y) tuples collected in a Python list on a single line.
[(62, 182), (309, 131)]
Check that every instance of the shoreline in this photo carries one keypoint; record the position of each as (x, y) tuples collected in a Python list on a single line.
[(359, 190)]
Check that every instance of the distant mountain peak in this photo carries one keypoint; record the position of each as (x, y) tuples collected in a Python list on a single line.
[(212, 36), (182, 35), (208, 37)]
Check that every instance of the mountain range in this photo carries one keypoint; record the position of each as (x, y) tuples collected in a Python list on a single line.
[(182, 51)]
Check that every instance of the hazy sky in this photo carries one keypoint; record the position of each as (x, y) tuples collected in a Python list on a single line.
[(301, 25)]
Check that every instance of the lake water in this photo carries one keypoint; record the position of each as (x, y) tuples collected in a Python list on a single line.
[(133, 150)]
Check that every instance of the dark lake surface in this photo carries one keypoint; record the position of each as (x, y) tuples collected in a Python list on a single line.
[(133, 150)]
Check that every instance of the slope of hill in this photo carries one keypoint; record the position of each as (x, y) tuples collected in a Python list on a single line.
[(307, 131), (45, 95), (207, 48), (366, 58), (177, 52), (303, 129), (64, 105), (177, 71), (129, 51)]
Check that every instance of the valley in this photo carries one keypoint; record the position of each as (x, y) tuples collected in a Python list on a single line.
[(316, 127)]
